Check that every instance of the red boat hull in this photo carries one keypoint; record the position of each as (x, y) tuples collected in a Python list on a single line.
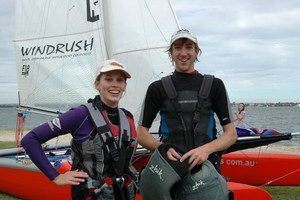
[(262, 169), (27, 182), (39, 187)]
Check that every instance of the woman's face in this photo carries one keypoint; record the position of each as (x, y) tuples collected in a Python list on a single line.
[(111, 86), (241, 107)]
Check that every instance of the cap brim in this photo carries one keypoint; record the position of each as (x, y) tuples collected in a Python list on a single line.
[(183, 36), (115, 68)]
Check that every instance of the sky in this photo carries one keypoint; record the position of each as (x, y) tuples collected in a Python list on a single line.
[(253, 46)]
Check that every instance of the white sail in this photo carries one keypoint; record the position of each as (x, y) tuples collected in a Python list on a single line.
[(59, 44)]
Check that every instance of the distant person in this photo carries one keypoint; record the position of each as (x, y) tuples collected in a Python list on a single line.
[(102, 145), (240, 116)]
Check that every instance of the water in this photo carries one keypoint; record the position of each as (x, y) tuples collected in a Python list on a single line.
[(8, 116), (282, 119)]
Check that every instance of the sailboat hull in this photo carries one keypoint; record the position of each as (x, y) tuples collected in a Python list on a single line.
[(24, 180), (28, 184), (262, 168)]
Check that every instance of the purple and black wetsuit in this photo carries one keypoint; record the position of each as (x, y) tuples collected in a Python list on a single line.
[(76, 122)]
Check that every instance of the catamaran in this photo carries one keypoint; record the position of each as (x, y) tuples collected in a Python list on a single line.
[(58, 45)]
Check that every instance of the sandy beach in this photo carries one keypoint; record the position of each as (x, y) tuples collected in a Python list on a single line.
[(9, 135)]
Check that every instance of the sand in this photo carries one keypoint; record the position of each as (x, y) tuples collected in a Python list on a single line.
[(9, 135)]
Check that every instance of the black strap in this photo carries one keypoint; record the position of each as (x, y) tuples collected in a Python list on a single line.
[(203, 92), (169, 87), (172, 95), (202, 97), (206, 86)]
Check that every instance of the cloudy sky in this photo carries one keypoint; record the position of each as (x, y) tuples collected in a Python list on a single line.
[(253, 46)]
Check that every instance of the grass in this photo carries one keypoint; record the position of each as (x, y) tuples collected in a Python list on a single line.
[(6, 145), (4, 196), (284, 192), (277, 192)]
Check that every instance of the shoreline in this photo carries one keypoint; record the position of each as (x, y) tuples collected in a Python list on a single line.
[(9, 136)]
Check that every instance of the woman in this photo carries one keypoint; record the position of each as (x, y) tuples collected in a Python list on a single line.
[(240, 116), (95, 159)]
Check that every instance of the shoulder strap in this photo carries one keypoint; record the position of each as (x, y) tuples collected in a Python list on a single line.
[(169, 87), (105, 133), (203, 92), (206, 86), (172, 95), (125, 131), (103, 130)]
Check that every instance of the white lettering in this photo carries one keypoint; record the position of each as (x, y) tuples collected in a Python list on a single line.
[(156, 170), (246, 163), (197, 184)]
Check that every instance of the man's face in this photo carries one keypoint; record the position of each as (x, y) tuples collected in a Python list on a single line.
[(184, 55)]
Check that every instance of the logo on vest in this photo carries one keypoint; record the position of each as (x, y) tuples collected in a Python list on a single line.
[(156, 170), (197, 184)]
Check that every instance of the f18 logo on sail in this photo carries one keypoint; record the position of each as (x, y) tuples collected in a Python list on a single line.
[(25, 70)]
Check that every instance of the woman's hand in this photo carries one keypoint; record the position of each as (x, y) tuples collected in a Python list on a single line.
[(71, 177)]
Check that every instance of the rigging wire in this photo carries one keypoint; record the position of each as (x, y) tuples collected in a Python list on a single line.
[(279, 178)]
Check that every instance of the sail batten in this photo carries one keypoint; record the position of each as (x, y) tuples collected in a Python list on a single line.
[(56, 36), (139, 50)]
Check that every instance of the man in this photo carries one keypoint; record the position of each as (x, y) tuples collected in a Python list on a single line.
[(187, 120)]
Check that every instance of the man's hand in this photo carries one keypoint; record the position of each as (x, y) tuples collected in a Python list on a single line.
[(196, 156), (173, 155)]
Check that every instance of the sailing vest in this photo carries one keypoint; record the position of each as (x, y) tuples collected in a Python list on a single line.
[(192, 124), (104, 157)]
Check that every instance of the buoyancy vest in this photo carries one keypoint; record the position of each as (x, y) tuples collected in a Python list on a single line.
[(104, 155), (192, 124)]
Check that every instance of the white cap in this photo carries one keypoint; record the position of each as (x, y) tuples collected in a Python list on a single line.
[(112, 65), (183, 33)]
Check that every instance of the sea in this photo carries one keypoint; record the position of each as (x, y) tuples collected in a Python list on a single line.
[(285, 119)]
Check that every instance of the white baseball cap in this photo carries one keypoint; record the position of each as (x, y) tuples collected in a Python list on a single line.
[(183, 33), (112, 65)]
